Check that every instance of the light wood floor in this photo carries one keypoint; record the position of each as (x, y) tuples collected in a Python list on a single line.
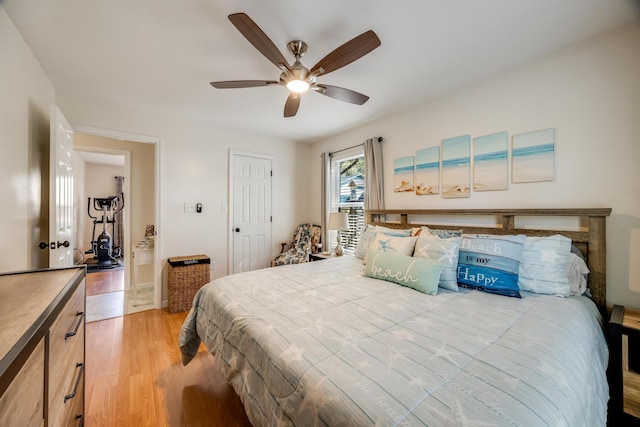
[(102, 282), (135, 377)]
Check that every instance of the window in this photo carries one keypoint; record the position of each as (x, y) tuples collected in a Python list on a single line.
[(347, 194)]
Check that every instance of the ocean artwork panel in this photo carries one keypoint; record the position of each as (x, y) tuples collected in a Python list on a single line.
[(533, 156), (490, 162), (456, 167), (403, 174), (427, 176)]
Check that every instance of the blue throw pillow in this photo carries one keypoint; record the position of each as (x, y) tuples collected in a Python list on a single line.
[(420, 274), (491, 263)]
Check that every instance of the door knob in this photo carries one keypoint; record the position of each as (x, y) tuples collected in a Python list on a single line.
[(237, 230), (65, 244), (43, 245)]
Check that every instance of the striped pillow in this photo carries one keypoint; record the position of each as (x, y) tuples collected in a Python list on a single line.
[(491, 263)]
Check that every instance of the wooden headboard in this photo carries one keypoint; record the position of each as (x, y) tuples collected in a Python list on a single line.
[(590, 238)]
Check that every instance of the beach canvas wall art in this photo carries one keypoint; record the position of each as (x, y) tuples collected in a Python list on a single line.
[(427, 175), (490, 162), (456, 167), (403, 174), (533, 156)]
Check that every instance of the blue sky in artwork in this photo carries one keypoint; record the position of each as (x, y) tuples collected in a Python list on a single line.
[(404, 162), (490, 143), (530, 139), (428, 155), (455, 148)]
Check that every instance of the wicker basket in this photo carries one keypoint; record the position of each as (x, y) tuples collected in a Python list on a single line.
[(187, 274)]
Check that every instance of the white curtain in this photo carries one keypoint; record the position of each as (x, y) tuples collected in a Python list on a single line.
[(374, 180), (325, 203)]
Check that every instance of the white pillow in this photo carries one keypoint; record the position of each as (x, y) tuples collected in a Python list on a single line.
[(444, 250), (367, 235), (364, 241), (577, 272), (543, 269), (393, 244)]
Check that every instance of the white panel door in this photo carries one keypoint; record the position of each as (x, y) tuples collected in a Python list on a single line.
[(251, 225), (60, 191)]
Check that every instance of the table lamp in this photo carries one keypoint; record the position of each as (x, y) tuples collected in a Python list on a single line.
[(338, 221)]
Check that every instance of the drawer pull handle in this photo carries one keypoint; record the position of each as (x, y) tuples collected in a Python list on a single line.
[(75, 386), (80, 417), (73, 333)]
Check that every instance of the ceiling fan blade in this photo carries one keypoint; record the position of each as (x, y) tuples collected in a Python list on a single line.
[(292, 104), (258, 39), (351, 51), (342, 94), (235, 84)]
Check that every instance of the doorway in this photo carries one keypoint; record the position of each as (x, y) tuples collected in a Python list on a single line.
[(128, 287), (100, 210)]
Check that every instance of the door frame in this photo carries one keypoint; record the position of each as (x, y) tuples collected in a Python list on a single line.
[(157, 273), (232, 154)]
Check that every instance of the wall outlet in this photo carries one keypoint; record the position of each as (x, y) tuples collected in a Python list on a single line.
[(189, 207), (213, 265)]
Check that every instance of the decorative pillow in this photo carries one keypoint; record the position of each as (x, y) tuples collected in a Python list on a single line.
[(364, 241), (543, 269), (416, 273), (444, 250), (369, 232), (384, 242), (577, 272), (491, 263), (393, 231), (443, 234)]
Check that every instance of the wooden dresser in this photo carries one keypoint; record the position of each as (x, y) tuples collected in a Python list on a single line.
[(42, 348)]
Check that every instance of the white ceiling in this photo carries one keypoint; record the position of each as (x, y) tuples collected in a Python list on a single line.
[(164, 53)]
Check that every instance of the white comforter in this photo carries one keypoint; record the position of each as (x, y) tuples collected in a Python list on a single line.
[(319, 344)]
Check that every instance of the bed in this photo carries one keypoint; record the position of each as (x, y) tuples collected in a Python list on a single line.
[(319, 344)]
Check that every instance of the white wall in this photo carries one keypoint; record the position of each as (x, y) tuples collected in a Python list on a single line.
[(24, 138), (590, 93), (194, 168)]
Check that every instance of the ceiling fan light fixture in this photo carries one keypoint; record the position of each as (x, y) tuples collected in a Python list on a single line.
[(298, 86)]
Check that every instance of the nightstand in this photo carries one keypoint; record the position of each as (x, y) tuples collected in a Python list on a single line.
[(321, 256), (624, 384)]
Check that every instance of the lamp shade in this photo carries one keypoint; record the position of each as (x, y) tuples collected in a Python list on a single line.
[(338, 221)]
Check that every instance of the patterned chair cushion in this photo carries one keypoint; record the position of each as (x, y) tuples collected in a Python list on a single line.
[(300, 249)]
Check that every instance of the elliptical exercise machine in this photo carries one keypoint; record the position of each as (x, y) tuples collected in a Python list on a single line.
[(105, 253)]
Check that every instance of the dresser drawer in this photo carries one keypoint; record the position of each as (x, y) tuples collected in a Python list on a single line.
[(22, 404), (75, 407), (66, 358)]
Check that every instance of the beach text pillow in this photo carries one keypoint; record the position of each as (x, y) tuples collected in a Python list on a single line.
[(420, 274), (491, 263)]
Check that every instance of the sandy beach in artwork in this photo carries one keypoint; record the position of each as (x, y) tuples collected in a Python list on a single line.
[(403, 175), (427, 176), (490, 175), (534, 168), (455, 181)]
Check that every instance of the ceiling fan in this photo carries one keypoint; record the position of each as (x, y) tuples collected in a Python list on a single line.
[(296, 77)]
